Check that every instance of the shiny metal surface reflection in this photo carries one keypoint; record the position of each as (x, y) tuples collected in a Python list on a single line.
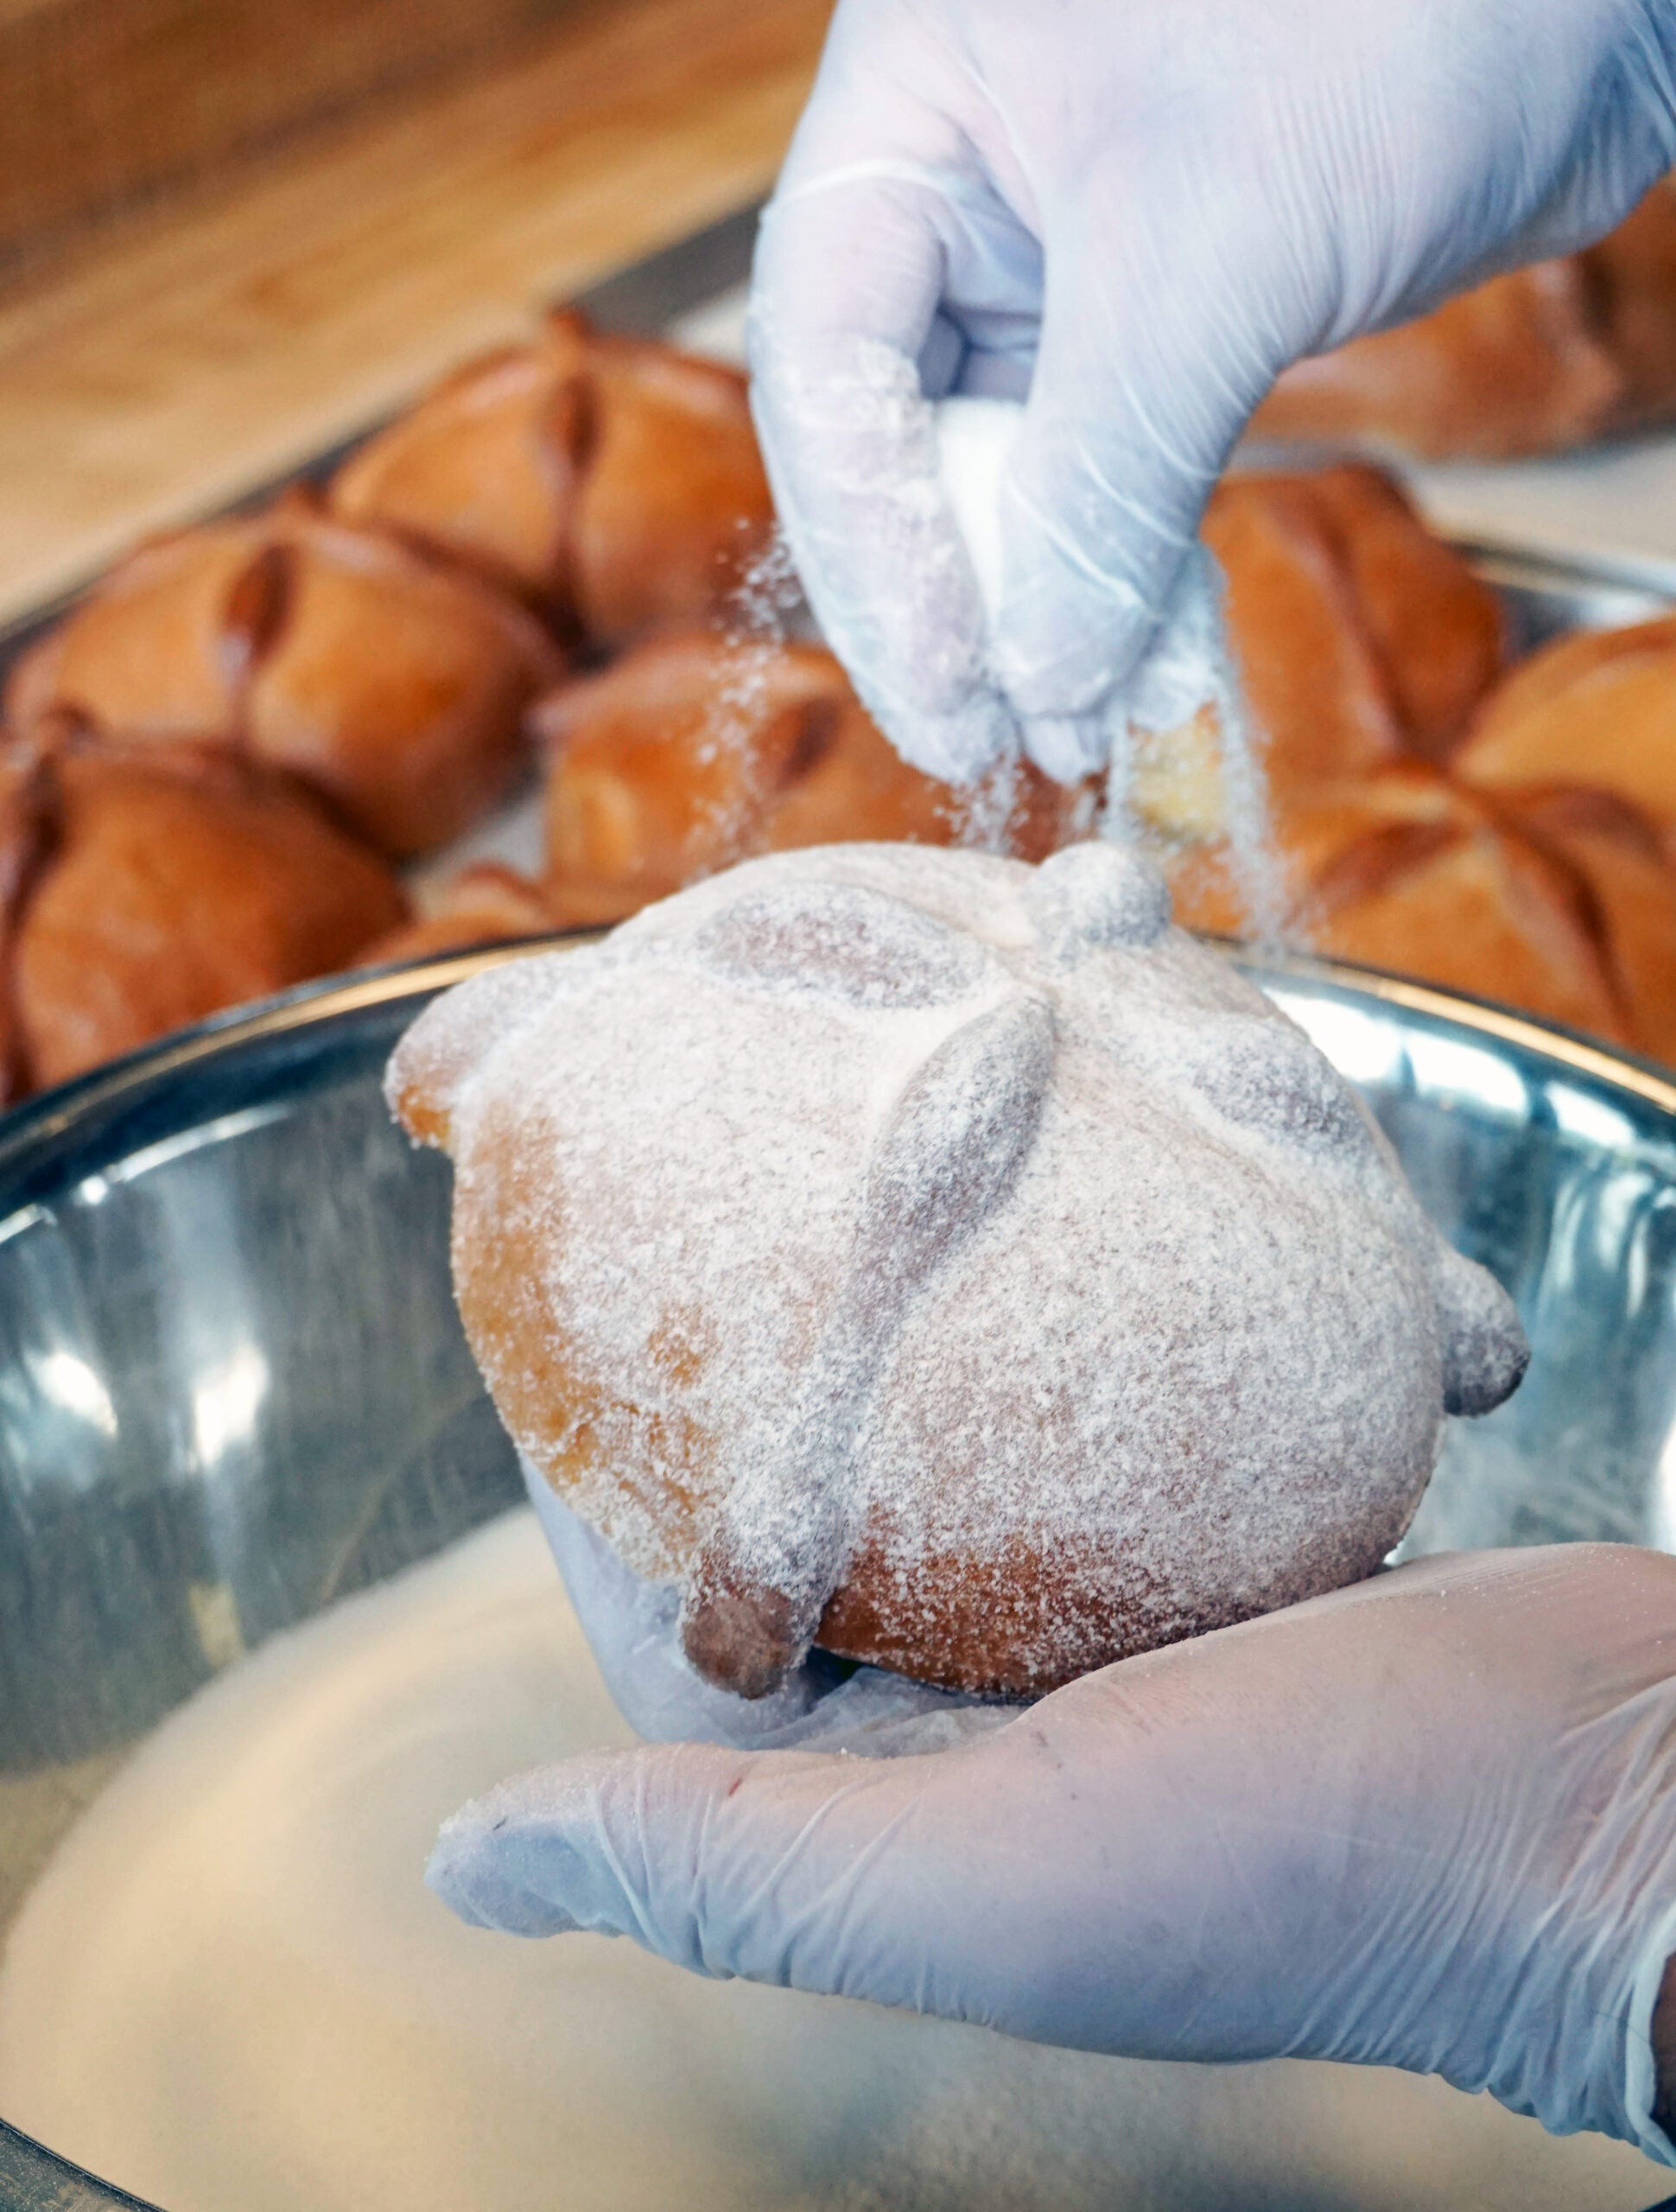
[(233, 1386)]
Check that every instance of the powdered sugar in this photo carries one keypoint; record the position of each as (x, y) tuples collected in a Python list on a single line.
[(976, 438), (920, 1234)]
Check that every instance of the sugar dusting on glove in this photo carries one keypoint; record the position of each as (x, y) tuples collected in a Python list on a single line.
[(1186, 669), (1183, 701)]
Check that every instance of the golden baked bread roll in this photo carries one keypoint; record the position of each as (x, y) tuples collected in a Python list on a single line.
[(1539, 360), (942, 1260), (143, 889), (1311, 677), (1438, 631), (612, 481), (1362, 643), (1518, 366), (1577, 747), (485, 904), (1406, 871), (692, 752), (1361, 639), (1541, 870), (1559, 900), (394, 686), (1597, 708), (1630, 898)]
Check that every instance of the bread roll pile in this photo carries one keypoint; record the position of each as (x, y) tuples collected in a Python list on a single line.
[(540, 566), (211, 765), (1506, 832), (392, 686)]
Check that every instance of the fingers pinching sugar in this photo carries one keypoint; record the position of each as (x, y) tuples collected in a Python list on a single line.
[(850, 443)]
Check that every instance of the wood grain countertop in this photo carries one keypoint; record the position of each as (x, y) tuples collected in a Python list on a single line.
[(180, 358)]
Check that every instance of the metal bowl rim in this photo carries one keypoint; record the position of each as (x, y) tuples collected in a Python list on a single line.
[(56, 1112)]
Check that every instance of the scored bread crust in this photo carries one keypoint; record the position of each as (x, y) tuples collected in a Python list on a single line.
[(143, 889), (395, 687), (613, 482)]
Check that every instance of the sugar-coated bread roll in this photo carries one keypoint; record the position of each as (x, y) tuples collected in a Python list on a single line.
[(143, 889), (944, 1260), (693, 751), (613, 481), (394, 686), (1544, 358)]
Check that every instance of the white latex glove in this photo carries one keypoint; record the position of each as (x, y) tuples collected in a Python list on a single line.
[(633, 1629), (1426, 1822), (1139, 212)]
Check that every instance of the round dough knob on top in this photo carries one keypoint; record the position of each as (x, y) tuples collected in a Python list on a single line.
[(945, 1261)]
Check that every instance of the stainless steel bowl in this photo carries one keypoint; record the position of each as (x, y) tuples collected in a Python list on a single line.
[(233, 1387)]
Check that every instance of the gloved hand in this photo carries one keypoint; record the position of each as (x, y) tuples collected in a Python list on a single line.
[(1139, 213), (634, 1628), (1426, 1822)]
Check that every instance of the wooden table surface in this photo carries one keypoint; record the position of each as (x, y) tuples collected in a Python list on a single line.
[(189, 354)]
